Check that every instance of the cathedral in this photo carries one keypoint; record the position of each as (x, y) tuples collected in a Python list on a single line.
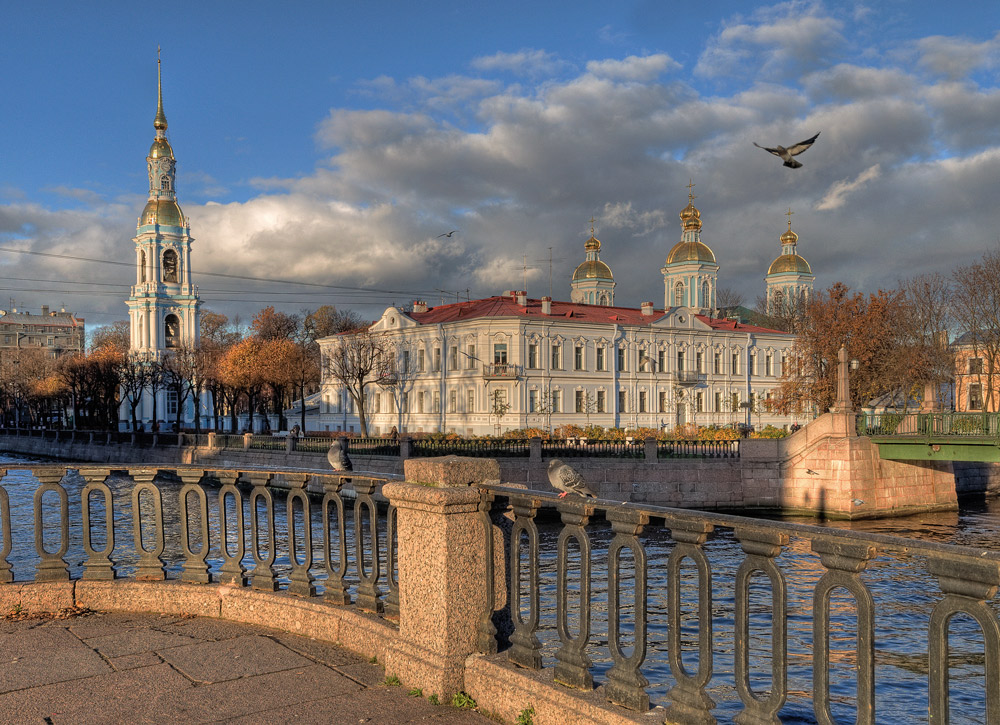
[(510, 362), (163, 305)]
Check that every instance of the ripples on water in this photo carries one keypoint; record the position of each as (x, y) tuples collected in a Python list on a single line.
[(904, 595)]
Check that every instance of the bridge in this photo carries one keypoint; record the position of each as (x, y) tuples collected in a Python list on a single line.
[(933, 436), (558, 610)]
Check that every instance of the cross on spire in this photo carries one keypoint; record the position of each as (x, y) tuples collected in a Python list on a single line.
[(592, 226), (691, 196), (789, 215)]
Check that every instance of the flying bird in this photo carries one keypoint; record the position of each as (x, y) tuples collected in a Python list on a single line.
[(788, 153), (566, 479), (448, 234), (337, 455)]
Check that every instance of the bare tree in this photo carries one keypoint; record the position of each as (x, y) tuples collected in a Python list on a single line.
[(726, 298), (356, 361), (976, 306)]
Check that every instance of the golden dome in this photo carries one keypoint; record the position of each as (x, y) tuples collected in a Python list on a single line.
[(690, 252), (789, 237), (789, 263), (164, 212), (161, 149), (691, 218), (593, 269), (593, 244)]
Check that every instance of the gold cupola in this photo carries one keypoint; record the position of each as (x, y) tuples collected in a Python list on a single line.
[(593, 283), (789, 280), (690, 248), (162, 208), (690, 273), (790, 260)]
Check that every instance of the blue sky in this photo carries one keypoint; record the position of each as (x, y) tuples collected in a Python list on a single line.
[(331, 143)]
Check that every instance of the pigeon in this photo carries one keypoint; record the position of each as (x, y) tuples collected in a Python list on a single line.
[(447, 234), (567, 480), (791, 151), (337, 455)]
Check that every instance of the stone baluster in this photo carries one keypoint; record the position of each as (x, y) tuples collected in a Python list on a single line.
[(232, 571), (52, 566), (391, 563), (761, 546), (7, 542), (195, 568), (487, 630), (369, 595), (626, 684), (844, 560), (525, 649), (262, 576), (98, 565), (300, 581), (336, 587), (967, 584), (573, 667), (150, 564)]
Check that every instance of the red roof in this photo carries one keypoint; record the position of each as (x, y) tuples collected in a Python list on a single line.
[(505, 306)]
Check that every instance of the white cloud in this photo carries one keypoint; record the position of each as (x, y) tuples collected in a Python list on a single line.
[(633, 68), (957, 57), (527, 62), (837, 195)]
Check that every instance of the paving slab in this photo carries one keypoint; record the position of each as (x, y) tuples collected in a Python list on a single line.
[(143, 668)]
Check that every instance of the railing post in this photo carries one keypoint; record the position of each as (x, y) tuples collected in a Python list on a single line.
[(404, 447), (211, 439), (247, 439), (535, 449), (6, 543), (52, 566), (441, 593), (289, 443), (650, 450)]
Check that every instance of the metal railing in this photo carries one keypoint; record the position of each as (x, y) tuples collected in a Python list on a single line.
[(586, 448), (369, 446), (698, 449), (475, 447), (501, 370), (690, 610), (973, 425)]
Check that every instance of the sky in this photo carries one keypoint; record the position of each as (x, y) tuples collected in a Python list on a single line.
[(323, 148)]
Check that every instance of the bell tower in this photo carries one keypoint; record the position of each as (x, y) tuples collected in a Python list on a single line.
[(163, 306)]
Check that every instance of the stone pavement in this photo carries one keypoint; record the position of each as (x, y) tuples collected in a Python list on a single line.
[(90, 667)]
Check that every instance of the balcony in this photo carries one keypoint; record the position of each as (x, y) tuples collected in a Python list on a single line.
[(501, 371), (687, 377)]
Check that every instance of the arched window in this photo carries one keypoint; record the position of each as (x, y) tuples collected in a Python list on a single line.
[(172, 331), (605, 300), (679, 294), (705, 300), (170, 266), (164, 183), (142, 266), (777, 300)]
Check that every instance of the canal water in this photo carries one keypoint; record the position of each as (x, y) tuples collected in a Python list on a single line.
[(903, 592)]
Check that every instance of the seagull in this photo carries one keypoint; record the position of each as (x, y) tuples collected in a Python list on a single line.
[(566, 479), (453, 231), (337, 455), (791, 151)]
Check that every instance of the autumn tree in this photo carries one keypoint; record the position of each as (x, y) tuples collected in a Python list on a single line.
[(242, 370), (269, 324), (976, 307), (327, 320), (356, 361)]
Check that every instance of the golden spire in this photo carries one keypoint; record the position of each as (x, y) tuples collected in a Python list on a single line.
[(160, 122), (789, 237), (690, 216), (691, 196), (592, 244)]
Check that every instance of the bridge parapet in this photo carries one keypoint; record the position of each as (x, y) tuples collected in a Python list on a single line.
[(435, 581)]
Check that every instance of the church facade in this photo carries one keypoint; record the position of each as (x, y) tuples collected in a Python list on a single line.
[(507, 362), (164, 304)]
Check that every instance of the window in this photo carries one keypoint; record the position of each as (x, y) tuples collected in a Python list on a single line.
[(680, 361), (679, 294), (437, 359), (532, 401), (661, 360), (172, 402), (172, 331), (533, 356), (142, 266), (621, 359), (642, 401), (420, 361), (699, 402), (769, 365), (718, 402), (578, 357), (170, 266), (420, 402), (717, 363), (753, 363), (736, 363), (975, 397), (556, 356), (377, 403), (437, 402), (404, 403), (500, 353), (556, 397), (663, 401), (471, 402), (644, 362), (581, 402), (699, 362), (975, 366), (602, 364), (470, 360), (406, 361), (453, 401), (621, 401), (602, 401), (453, 358), (734, 402)]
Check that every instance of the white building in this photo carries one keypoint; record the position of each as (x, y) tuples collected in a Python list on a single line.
[(511, 362)]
